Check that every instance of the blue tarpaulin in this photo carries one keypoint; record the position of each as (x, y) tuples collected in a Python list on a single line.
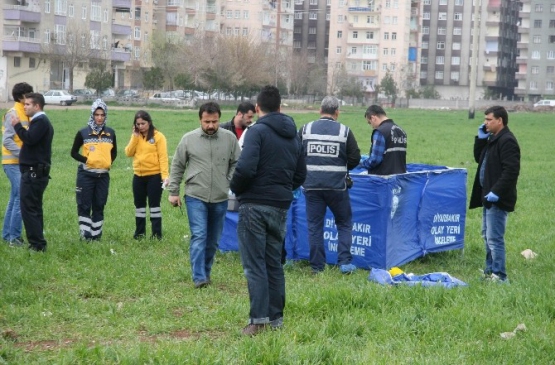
[(396, 218), (383, 277)]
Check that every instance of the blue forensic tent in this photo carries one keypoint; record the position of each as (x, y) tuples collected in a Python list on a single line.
[(396, 218)]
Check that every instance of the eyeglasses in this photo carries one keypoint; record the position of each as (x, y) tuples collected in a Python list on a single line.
[(99, 115)]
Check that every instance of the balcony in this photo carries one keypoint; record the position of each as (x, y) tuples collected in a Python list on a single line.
[(361, 9), (27, 14), (121, 6), (121, 29), (520, 76), (522, 45), (522, 59), (120, 55), (21, 44)]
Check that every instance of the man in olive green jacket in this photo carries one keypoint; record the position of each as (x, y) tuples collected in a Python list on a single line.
[(207, 156)]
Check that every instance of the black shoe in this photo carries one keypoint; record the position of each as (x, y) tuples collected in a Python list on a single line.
[(37, 248), (202, 284), (139, 237)]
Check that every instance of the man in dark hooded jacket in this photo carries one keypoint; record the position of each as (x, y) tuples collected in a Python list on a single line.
[(271, 166)]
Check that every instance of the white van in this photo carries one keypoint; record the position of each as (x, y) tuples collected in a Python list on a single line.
[(544, 103)]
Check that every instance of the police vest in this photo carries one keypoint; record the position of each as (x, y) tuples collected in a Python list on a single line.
[(395, 155), (325, 148)]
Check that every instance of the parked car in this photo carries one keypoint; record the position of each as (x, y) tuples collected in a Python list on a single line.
[(83, 92), (128, 93), (164, 96), (544, 103), (60, 97), (108, 92)]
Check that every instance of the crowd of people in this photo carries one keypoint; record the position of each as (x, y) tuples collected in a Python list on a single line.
[(263, 168)]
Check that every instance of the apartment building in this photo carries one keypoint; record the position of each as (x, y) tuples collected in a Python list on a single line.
[(447, 40), (311, 29), (119, 32), (536, 50), (370, 38), (86, 29)]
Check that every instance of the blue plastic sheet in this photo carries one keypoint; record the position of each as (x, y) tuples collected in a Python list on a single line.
[(443, 279)]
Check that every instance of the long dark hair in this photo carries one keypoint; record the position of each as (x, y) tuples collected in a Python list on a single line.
[(145, 116)]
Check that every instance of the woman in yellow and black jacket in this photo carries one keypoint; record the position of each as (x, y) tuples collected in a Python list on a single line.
[(148, 148), (99, 150)]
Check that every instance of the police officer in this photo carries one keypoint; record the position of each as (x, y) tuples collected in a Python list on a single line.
[(388, 154), (331, 150), (34, 164)]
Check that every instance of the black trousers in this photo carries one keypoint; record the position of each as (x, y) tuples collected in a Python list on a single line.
[(147, 187), (31, 193), (91, 194)]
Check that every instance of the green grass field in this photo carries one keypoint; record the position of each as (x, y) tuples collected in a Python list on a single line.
[(126, 302)]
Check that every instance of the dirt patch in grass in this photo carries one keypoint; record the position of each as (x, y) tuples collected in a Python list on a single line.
[(45, 345)]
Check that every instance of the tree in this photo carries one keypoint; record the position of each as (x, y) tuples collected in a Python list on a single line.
[(71, 48), (153, 79), (389, 87), (99, 78), (430, 92), (351, 86), (184, 81), (167, 55)]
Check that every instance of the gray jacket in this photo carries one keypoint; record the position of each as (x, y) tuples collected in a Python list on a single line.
[(208, 162)]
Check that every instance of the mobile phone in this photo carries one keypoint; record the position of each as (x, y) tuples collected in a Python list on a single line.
[(484, 129)]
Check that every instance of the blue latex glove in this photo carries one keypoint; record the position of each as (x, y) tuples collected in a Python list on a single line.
[(491, 197), (297, 193), (481, 133)]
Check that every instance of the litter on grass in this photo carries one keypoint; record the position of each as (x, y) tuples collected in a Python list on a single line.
[(508, 335), (529, 254), (384, 277)]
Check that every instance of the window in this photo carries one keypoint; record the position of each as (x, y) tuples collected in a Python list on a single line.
[(425, 30), (442, 2), (441, 31), (370, 19), (385, 51), (370, 49), (423, 74), (137, 13), (338, 50), (535, 55), (538, 8), (339, 34), (340, 18), (137, 53), (439, 75), (394, 20), (457, 31), (369, 35), (353, 50), (533, 85), (456, 46), (394, 35), (47, 6), (393, 51), (296, 44), (312, 30), (455, 60), (229, 14), (426, 15), (298, 15), (440, 45), (427, 2), (313, 15), (552, 9), (84, 12), (384, 67), (424, 60), (237, 14), (105, 19), (32, 62), (71, 11), (96, 12), (369, 65), (457, 16), (355, 34), (537, 23), (440, 60), (137, 33), (387, 4), (459, 2), (535, 70), (386, 35), (552, 23), (551, 55), (395, 4), (245, 14), (228, 31), (549, 85), (392, 66), (17, 62), (550, 69), (424, 45), (455, 75), (442, 16)]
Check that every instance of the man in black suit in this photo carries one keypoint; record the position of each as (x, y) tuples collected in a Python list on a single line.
[(34, 163)]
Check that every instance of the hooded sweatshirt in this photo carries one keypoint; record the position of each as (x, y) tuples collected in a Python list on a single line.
[(271, 165), (98, 142)]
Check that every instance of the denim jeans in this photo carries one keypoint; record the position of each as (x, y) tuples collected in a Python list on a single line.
[(12, 218), (339, 203), (494, 221), (206, 222), (261, 230)]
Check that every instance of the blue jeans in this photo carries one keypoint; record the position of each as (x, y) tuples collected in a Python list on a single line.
[(339, 203), (261, 230), (206, 222), (494, 222), (12, 218)]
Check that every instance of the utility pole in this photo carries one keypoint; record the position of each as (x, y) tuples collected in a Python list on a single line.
[(278, 35), (474, 60)]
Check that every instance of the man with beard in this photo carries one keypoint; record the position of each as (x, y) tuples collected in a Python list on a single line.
[(207, 156)]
